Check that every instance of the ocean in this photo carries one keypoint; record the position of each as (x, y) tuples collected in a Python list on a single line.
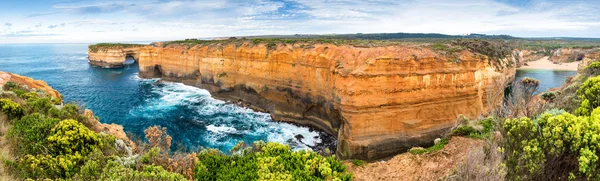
[(192, 117)]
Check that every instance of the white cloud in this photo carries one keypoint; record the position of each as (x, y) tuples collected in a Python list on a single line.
[(112, 20)]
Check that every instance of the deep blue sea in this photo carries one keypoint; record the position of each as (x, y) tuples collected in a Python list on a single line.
[(119, 96), (548, 78)]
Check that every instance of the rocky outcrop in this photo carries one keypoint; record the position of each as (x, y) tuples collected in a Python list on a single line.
[(30, 83), (563, 55), (112, 129), (112, 57), (379, 101)]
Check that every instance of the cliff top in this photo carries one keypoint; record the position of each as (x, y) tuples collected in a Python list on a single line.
[(492, 48), (99, 46)]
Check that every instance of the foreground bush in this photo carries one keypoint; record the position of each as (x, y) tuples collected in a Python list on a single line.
[(272, 161), (589, 94), (554, 147), (11, 109), (30, 132), (71, 137)]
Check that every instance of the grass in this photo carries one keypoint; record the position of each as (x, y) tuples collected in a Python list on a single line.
[(100, 46), (434, 148), (358, 163), (467, 129)]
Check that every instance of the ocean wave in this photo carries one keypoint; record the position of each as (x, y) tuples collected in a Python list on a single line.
[(217, 123)]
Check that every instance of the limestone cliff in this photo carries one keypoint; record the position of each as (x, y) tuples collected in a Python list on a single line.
[(563, 55), (379, 101), (112, 57), (30, 83)]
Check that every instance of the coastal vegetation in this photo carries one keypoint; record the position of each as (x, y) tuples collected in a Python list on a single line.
[(43, 140), (101, 46)]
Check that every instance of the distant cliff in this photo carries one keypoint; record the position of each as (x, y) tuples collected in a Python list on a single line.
[(379, 100), (112, 55), (563, 55)]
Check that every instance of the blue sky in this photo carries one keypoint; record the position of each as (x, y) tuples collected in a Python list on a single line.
[(87, 21)]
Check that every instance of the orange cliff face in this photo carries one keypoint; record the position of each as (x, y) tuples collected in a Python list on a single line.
[(111, 57), (379, 101)]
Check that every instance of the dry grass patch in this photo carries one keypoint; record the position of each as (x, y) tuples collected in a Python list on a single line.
[(5, 149)]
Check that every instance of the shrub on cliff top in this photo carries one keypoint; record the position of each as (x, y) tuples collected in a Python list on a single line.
[(495, 50), (273, 161), (11, 109), (548, 96), (48, 166), (593, 69), (554, 147), (71, 137), (30, 132), (589, 95)]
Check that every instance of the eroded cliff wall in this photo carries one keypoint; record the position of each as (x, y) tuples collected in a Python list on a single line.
[(563, 55), (379, 101), (112, 57)]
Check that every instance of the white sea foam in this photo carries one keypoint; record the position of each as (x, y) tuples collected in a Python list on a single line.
[(225, 123), (220, 129)]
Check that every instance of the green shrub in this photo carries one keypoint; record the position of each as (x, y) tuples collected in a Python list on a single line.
[(358, 163), (541, 150), (464, 131), (589, 94), (30, 133), (39, 105), (68, 111), (593, 69), (48, 166), (11, 109), (272, 161), (524, 155), (91, 170), (549, 96), (434, 148), (12, 85), (70, 137), (115, 171), (148, 156)]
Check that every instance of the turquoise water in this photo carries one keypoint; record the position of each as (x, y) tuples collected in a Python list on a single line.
[(191, 116), (548, 78)]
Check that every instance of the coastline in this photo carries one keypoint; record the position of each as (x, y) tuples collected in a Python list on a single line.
[(545, 64)]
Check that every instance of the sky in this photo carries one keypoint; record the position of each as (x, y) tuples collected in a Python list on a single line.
[(90, 21)]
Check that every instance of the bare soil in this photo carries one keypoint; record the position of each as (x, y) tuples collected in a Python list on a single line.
[(429, 166)]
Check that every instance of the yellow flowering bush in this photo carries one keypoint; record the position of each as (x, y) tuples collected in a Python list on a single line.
[(558, 138), (11, 109), (30, 132), (589, 94), (269, 161), (70, 136), (48, 166)]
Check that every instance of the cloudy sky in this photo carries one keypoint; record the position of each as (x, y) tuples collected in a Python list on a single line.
[(87, 21)]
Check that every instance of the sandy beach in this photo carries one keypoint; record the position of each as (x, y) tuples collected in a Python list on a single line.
[(546, 64)]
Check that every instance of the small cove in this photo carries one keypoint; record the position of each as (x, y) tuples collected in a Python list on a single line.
[(548, 78)]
